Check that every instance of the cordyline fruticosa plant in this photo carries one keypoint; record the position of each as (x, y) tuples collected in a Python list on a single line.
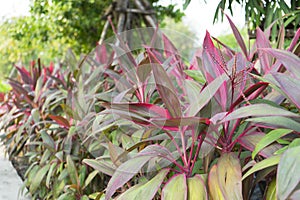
[(162, 129), (168, 136), (39, 136)]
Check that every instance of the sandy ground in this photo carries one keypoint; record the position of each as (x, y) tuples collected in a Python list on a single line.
[(10, 182)]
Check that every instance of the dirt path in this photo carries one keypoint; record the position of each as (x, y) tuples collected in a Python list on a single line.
[(10, 182)]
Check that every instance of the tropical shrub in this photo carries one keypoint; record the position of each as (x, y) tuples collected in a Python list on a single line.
[(124, 123)]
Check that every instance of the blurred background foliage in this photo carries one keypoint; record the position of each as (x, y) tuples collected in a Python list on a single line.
[(53, 26)]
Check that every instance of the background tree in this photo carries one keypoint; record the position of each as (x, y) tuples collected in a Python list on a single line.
[(53, 26)]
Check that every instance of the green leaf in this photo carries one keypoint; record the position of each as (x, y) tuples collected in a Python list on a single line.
[(176, 188), (38, 178), (288, 173), (258, 110), (269, 138), (250, 140), (277, 121), (186, 3), (124, 173), (196, 75), (101, 166), (35, 115), (205, 96), (66, 196), (84, 198), (90, 177), (271, 161), (50, 173), (271, 190), (72, 171), (131, 167), (295, 143), (48, 141), (196, 188), (144, 69), (147, 190), (165, 87)]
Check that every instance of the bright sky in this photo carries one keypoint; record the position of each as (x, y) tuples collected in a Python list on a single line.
[(11, 8), (199, 15)]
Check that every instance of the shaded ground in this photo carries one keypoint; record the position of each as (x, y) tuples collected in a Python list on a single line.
[(10, 182)]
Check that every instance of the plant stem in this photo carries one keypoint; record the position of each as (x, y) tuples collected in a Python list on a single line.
[(184, 148), (192, 146), (201, 139), (229, 140)]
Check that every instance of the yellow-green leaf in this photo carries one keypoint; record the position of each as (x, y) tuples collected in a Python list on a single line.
[(196, 188), (38, 178), (271, 161), (229, 174), (269, 138), (215, 192), (271, 191), (176, 188), (147, 190), (72, 171)]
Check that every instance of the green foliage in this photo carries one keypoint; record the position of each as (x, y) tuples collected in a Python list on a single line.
[(55, 26)]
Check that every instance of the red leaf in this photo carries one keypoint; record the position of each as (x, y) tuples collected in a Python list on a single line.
[(258, 87), (294, 41), (238, 37), (60, 120), (147, 109), (51, 67), (165, 86), (212, 61), (101, 54), (2, 95), (26, 77)]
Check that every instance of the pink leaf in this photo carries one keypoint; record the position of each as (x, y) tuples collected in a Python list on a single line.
[(289, 86), (60, 120), (263, 42), (131, 167), (294, 41), (212, 61), (288, 59), (101, 54), (238, 37), (26, 77)]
